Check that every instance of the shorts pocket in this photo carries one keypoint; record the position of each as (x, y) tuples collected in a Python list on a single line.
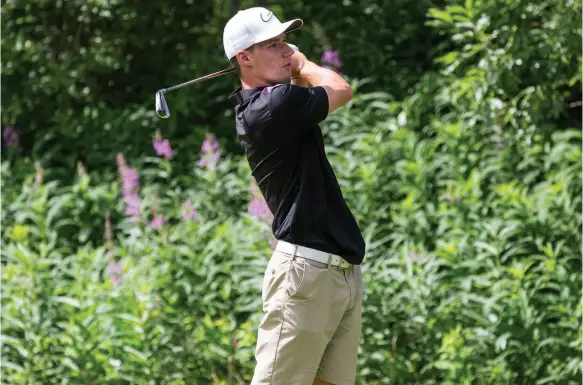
[(295, 276), (274, 277), (306, 279)]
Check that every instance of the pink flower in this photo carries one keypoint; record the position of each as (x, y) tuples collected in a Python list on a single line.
[(115, 271), (157, 222), (210, 153), (10, 137), (414, 256), (210, 144), (132, 205), (260, 209), (162, 148), (130, 182), (332, 59), (189, 211)]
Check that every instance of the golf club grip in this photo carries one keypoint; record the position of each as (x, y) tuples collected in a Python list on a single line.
[(194, 81)]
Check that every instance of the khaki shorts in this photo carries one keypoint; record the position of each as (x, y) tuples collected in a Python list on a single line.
[(312, 322)]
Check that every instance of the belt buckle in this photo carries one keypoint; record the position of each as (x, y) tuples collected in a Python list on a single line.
[(342, 263)]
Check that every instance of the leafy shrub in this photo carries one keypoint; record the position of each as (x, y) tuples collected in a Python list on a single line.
[(468, 193), (105, 297)]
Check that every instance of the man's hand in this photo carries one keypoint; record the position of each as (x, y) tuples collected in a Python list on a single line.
[(297, 61)]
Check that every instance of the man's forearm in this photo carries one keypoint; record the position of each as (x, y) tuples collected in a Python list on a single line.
[(320, 76), (338, 90)]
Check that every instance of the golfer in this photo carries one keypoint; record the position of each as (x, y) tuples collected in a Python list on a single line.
[(312, 289)]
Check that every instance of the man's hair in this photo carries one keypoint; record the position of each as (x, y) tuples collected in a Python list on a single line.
[(235, 64)]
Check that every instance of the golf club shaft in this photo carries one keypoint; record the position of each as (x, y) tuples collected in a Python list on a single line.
[(194, 81)]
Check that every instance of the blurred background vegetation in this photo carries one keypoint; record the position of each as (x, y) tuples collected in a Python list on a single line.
[(133, 248)]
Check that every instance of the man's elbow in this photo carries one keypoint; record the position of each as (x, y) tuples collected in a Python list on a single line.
[(348, 94), (338, 96)]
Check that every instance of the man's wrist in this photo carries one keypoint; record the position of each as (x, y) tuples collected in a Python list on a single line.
[(306, 67)]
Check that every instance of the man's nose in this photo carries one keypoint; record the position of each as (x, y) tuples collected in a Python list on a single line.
[(288, 51)]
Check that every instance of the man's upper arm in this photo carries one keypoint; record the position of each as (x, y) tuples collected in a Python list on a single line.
[(298, 108)]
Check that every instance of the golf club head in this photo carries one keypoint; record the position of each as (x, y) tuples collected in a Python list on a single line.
[(161, 106)]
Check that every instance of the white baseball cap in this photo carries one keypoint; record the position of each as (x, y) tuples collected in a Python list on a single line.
[(251, 26)]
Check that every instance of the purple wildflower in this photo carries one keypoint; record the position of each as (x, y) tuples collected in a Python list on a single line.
[(211, 153), (189, 211), (457, 200), (115, 271), (10, 137), (130, 181), (259, 209), (162, 148), (414, 256), (210, 145), (158, 222), (133, 207), (331, 59)]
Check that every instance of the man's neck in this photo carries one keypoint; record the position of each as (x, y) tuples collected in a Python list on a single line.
[(246, 84), (249, 82)]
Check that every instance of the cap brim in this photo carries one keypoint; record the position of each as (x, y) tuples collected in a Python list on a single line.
[(286, 27)]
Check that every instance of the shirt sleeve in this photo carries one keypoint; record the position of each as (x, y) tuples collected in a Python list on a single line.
[(298, 108)]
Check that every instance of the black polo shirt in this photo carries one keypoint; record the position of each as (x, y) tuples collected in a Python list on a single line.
[(278, 128)]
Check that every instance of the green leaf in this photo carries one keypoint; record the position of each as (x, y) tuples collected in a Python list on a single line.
[(141, 356), (67, 300), (12, 365), (441, 15)]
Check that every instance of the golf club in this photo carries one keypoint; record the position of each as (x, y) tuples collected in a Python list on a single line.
[(162, 107)]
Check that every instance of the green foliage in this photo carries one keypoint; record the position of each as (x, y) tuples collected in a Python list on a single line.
[(79, 78), (468, 191), (183, 293)]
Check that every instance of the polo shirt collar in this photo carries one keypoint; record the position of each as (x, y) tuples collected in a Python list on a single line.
[(241, 95)]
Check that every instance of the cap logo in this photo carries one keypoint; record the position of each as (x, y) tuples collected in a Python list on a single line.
[(267, 18)]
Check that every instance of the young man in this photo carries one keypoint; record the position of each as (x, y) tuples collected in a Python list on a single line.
[(312, 289)]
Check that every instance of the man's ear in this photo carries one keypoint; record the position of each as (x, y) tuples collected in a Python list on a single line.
[(244, 59)]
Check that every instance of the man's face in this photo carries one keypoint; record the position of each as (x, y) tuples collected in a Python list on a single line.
[(270, 60)]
